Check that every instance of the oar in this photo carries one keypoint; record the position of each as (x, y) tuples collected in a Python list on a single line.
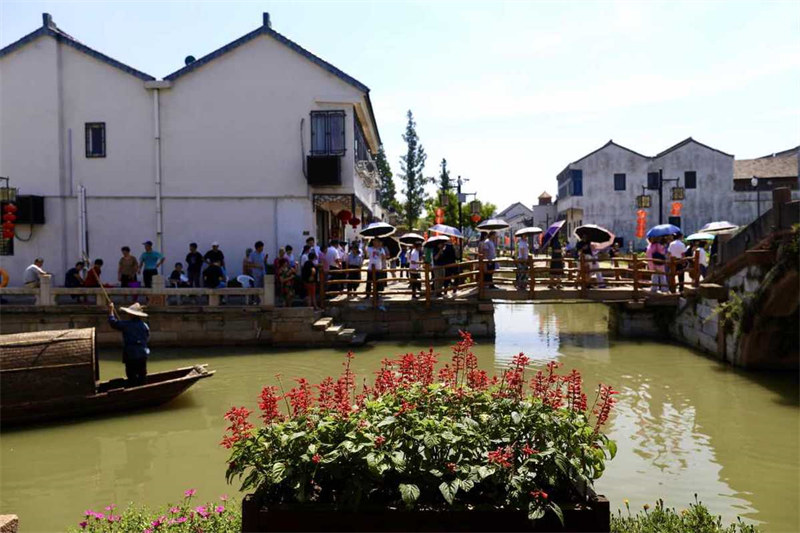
[(105, 293)]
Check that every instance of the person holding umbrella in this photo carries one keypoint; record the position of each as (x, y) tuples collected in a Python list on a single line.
[(376, 257), (556, 264), (354, 261), (523, 253), (488, 250), (592, 240), (415, 261)]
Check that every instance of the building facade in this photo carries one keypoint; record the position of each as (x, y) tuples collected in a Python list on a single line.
[(602, 188), (258, 140)]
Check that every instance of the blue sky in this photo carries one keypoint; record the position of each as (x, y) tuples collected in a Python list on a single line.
[(508, 92)]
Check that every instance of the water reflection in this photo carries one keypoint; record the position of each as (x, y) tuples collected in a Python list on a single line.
[(684, 424)]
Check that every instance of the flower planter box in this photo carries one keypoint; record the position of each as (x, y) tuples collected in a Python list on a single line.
[(309, 517)]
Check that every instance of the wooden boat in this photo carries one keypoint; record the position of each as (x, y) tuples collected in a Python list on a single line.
[(54, 374)]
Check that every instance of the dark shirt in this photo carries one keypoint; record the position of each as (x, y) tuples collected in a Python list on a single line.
[(214, 256), (194, 261), (135, 335), (175, 278), (73, 278), (92, 278), (213, 276), (583, 247), (308, 273)]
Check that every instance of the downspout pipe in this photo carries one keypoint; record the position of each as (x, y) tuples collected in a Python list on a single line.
[(156, 87)]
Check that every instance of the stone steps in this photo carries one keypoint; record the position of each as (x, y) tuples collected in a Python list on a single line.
[(323, 323), (332, 332)]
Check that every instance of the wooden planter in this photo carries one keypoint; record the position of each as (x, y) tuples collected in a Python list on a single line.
[(309, 517)]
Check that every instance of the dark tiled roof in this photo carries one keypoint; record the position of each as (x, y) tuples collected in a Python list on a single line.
[(50, 29), (791, 151), (266, 30), (766, 167), (687, 141)]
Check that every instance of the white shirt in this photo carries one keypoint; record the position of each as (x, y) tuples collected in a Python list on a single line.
[(676, 249), (376, 257), (32, 273), (413, 259), (331, 257), (702, 256), (522, 249)]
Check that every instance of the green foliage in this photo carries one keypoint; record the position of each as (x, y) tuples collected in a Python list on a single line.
[(444, 176), (412, 164), (221, 517), (451, 211), (413, 440), (731, 311), (388, 191), (695, 519)]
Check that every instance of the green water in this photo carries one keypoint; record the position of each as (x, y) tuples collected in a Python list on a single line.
[(684, 425)]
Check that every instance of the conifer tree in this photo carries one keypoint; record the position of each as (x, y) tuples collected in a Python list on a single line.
[(412, 164), (388, 192)]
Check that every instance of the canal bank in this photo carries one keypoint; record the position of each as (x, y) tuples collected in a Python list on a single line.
[(683, 424)]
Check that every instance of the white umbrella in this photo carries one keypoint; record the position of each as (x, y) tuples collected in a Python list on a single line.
[(700, 237), (410, 238), (446, 230), (378, 229), (433, 241), (493, 224), (528, 231), (715, 227)]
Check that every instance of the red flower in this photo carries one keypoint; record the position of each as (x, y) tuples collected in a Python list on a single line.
[(405, 407), (501, 456), (268, 403), (527, 450), (239, 427), (379, 440), (452, 467), (539, 494), (316, 458)]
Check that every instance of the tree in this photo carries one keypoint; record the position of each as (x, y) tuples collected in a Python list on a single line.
[(386, 187), (451, 211), (444, 176), (412, 165)]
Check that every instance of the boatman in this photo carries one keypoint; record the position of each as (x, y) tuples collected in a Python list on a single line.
[(135, 335)]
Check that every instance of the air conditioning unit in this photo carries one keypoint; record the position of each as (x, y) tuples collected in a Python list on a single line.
[(368, 171)]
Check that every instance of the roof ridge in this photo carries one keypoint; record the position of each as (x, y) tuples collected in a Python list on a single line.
[(687, 141)]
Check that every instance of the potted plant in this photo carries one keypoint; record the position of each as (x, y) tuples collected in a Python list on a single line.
[(425, 450)]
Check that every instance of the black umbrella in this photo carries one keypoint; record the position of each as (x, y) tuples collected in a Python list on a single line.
[(434, 241), (411, 238), (392, 247), (594, 232), (378, 229)]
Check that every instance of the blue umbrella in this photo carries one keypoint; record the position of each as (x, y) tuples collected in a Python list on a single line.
[(446, 230), (662, 230), (551, 232)]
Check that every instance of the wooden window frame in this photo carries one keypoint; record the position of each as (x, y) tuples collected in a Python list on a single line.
[(88, 128)]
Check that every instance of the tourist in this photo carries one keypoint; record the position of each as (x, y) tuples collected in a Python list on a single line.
[(309, 276), (178, 278), (214, 255), (332, 264), (31, 277), (135, 335), (214, 276), (354, 261), (438, 271), (93, 276), (488, 251), (312, 247), (74, 276), (587, 251), (556, 264), (376, 263), (194, 266), (285, 275), (290, 256), (656, 255), (149, 262), (403, 261), (128, 268), (677, 250), (246, 265), (258, 262), (523, 253), (304, 255), (702, 257), (415, 259)]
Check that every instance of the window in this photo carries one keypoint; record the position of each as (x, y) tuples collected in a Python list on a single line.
[(619, 182), (576, 182), (652, 181), (361, 148), (690, 179), (327, 132), (95, 139)]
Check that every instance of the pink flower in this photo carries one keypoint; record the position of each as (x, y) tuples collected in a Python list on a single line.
[(189, 493), (114, 518), (220, 508), (201, 510), (148, 530), (88, 512), (224, 497), (83, 524), (101, 516), (181, 520), (174, 510), (111, 507)]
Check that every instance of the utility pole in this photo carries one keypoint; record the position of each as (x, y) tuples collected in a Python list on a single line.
[(660, 196), (458, 197)]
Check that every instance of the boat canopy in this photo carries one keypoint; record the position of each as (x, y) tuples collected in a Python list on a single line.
[(47, 364)]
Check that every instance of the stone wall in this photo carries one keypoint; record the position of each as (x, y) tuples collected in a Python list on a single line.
[(697, 325), (635, 319)]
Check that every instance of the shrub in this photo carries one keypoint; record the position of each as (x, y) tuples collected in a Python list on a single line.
[(695, 519), (425, 439), (220, 517)]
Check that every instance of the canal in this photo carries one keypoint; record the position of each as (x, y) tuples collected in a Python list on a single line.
[(684, 425)]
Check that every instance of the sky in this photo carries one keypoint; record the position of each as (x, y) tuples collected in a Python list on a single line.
[(508, 92)]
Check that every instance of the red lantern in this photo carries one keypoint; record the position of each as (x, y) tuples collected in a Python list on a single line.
[(439, 212), (9, 217), (355, 222), (10, 208), (641, 214), (344, 215), (476, 218), (439, 220), (8, 234), (676, 209)]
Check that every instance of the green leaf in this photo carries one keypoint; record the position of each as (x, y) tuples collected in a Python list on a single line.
[(399, 459), (557, 510), (297, 435), (430, 440), (535, 513), (485, 471), (278, 471), (312, 449), (410, 494), (435, 472), (612, 448), (447, 492), (516, 417), (389, 420)]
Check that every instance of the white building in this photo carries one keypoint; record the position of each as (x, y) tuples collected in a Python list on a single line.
[(602, 188), (259, 140)]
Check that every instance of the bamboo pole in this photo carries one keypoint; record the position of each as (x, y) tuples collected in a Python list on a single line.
[(427, 285), (696, 269), (531, 276)]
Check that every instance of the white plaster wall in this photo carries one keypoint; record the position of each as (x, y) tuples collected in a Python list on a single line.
[(232, 127), (29, 135)]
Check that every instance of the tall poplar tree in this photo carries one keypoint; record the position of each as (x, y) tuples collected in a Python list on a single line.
[(387, 189), (444, 176), (412, 165)]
